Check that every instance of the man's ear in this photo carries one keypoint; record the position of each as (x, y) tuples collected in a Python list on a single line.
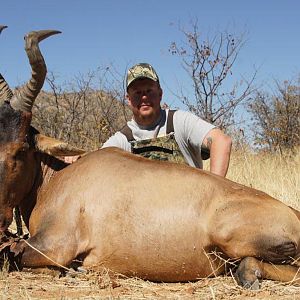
[(160, 92), (128, 99)]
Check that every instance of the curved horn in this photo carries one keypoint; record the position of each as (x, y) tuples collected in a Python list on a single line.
[(5, 91), (2, 27), (24, 97)]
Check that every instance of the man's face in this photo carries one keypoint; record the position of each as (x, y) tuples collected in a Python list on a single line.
[(144, 96)]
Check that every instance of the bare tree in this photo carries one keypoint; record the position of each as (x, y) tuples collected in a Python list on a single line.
[(208, 64), (277, 117), (85, 111)]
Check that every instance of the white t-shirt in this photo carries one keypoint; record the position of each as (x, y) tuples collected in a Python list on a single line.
[(189, 131)]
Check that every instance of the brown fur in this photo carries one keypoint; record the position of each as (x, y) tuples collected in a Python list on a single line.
[(155, 220)]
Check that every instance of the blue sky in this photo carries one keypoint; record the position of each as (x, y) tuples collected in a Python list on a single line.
[(98, 33)]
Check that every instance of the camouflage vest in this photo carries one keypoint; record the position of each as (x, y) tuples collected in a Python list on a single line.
[(163, 148), (160, 148)]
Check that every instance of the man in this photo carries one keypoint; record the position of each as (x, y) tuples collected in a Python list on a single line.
[(147, 133)]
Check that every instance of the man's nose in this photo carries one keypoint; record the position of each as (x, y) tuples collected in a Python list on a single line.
[(144, 95)]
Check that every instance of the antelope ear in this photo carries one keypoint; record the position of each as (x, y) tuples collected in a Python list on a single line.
[(55, 147)]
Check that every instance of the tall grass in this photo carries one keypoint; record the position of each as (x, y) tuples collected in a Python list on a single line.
[(276, 174)]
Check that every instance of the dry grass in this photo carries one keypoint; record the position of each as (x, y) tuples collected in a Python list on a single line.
[(22, 285), (277, 175)]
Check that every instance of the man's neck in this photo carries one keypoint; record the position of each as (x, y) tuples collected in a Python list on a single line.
[(148, 122)]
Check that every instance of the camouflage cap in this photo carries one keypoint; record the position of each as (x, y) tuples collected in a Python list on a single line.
[(141, 70)]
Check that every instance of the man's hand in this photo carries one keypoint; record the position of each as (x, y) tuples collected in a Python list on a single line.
[(71, 159)]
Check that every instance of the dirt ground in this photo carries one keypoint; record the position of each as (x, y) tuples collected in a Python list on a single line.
[(106, 285), (93, 285)]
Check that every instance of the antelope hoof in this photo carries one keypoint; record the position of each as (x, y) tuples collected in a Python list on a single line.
[(248, 274)]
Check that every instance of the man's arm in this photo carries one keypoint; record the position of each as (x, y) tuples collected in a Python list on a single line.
[(71, 159), (219, 145)]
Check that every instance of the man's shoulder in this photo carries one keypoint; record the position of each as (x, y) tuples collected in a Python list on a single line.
[(185, 120), (182, 115)]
